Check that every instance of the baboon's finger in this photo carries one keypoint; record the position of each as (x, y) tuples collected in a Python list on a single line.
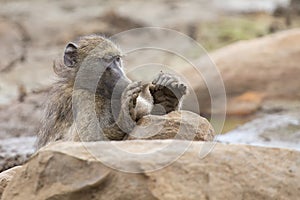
[(165, 80), (132, 91), (170, 81), (174, 84), (157, 78), (159, 82), (134, 85), (135, 95)]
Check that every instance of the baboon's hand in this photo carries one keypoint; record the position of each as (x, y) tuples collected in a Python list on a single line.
[(127, 116), (167, 91), (129, 99), (172, 82)]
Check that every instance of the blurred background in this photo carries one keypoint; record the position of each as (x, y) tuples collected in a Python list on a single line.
[(254, 44)]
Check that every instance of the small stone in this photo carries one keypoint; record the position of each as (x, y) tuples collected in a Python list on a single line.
[(183, 125)]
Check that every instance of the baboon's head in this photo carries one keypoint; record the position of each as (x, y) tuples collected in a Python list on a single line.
[(97, 62)]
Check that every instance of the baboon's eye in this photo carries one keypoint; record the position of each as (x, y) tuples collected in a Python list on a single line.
[(107, 59)]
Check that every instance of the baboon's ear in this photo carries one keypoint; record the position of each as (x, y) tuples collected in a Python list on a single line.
[(70, 54)]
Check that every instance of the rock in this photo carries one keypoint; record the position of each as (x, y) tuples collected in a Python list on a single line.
[(6, 176), (252, 7), (15, 151), (295, 7), (13, 42), (83, 171), (22, 118), (266, 68), (275, 130), (179, 125)]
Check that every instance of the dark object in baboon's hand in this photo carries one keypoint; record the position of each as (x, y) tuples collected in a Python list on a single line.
[(94, 100)]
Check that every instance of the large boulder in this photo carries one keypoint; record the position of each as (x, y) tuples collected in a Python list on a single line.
[(101, 170), (253, 71)]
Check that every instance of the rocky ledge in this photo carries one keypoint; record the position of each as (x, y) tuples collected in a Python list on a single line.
[(168, 169)]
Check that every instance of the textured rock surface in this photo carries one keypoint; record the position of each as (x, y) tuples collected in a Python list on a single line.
[(15, 151), (179, 125), (69, 171), (6, 176), (13, 43), (22, 118)]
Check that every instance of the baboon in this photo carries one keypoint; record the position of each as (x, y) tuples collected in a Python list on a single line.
[(94, 100)]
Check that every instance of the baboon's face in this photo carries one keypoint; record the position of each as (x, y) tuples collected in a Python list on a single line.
[(113, 70), (97, 60)]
